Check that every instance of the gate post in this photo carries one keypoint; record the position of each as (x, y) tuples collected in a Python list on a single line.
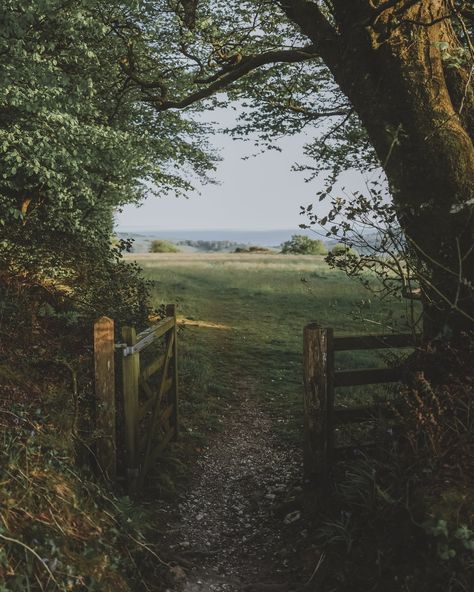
[(104, 370), (171, 312), (130, 374), (318, 366)]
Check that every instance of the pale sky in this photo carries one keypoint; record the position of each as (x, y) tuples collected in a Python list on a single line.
[(260, 193)]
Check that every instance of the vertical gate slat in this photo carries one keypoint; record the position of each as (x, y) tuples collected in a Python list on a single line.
[(156, 408), (171, 311), (130, 376)]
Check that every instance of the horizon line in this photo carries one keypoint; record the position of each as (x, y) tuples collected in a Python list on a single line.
[(153, 229)]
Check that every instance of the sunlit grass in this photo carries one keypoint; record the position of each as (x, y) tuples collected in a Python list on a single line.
[(265, 301)]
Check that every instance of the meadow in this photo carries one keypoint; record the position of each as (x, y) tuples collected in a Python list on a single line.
[(243, 317)]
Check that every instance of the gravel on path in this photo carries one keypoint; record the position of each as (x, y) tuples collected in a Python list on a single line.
[(239, 522)]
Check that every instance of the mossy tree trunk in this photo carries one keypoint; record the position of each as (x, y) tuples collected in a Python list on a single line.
[(390, 59)]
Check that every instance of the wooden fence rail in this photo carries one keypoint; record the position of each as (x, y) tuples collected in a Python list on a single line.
[(320, 379), (150, 395)]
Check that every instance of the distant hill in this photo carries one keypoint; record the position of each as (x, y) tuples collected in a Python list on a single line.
[(214, 241), (193, 240)]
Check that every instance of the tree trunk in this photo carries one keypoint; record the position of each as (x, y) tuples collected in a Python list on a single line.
[(419, 115)]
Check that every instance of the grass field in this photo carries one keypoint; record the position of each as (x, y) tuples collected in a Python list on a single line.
[(244, 317)]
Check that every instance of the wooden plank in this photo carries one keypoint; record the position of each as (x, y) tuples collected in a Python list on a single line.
[(146, 407), (150, 335), (146, 388), (367, 376), (166, 381), (315, 351), (104, 367), (152, 368), (355, 342), (330, 399), (156, 407), (162, 326), (130, 374), (154, 454), (171, 311), (163, 425), (166, 414)]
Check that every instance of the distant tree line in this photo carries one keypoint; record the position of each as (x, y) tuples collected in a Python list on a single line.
[(213, 246)]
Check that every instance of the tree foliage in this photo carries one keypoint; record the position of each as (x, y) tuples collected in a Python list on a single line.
[(77, 142), (299, 244)]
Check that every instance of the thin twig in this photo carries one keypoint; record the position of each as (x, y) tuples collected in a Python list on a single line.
[(322, 557), (34, 553)]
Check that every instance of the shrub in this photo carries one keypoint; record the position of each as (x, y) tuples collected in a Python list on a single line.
[(341, 249), (254, 249), (162, 246), (303, 245)]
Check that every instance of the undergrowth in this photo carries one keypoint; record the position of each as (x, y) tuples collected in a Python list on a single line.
[(60, 529), (402, 518), (61, 526)]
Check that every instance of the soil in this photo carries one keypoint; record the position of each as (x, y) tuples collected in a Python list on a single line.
[(239, 524)]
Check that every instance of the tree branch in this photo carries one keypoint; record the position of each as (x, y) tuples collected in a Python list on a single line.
[(310, 113), (227, 76), (313, 23)]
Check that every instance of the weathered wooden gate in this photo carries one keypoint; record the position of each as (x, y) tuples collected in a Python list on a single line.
[(149, 389), (150, 396), (321, 379)]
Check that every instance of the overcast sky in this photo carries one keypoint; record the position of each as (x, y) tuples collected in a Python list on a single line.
[(259, 193)]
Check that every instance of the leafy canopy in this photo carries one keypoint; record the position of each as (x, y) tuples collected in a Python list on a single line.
[(76, 138)]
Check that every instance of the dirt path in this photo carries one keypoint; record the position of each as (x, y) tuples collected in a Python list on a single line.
[(239, 521)]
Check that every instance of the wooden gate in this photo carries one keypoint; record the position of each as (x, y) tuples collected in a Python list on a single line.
[(149, 394), (320, 413)]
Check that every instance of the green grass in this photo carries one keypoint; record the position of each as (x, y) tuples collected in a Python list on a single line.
[(264, 301)]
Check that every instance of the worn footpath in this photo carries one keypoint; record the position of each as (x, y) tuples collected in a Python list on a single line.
[(238, 525)]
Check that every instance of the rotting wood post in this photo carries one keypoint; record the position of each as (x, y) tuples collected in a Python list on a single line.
[(130, 376), (318, 355), (171, 312), (104, 370)]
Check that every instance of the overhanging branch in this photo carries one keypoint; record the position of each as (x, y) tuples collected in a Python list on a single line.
[(227, 75)]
